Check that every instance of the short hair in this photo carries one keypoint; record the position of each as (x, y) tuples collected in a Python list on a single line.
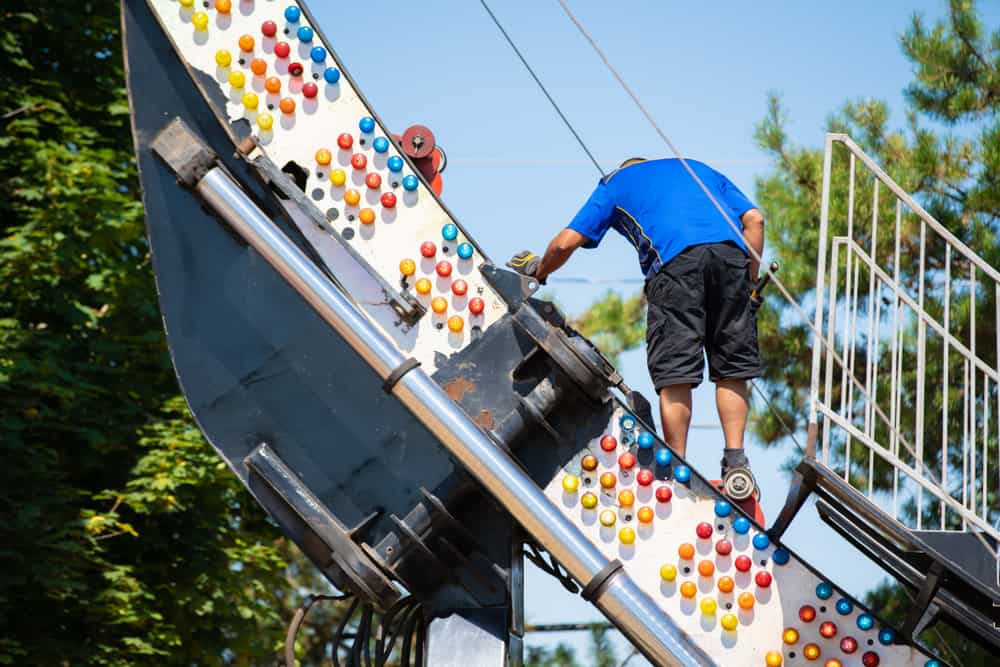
[(631, 161)]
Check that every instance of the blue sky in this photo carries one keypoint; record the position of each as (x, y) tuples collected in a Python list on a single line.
[(516, 176)]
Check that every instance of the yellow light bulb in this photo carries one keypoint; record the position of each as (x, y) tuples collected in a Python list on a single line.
[(200, 21), (439, 304), (626, 535), (708, 606), (223, 58), (265, 121), (772, 659), (589, 501), (570, 483), (668, 573), (187, 3), (729, 622), (250, 100), (790, 636), (423, 286), (338, 177), (811, 651), (237, 79), (608, 518)]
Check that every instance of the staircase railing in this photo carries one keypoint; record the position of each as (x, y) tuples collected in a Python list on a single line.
[(909, 414)]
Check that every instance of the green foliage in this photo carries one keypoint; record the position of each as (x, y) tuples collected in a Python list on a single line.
[(615, 324), (602, 653), (124, 539)]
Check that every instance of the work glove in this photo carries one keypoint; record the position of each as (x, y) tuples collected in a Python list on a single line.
[(526, 263)]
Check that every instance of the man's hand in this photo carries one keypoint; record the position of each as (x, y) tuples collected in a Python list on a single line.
[(526, 263)]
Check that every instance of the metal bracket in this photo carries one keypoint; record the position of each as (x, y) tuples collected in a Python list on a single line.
[(512, 287), (187, 157)]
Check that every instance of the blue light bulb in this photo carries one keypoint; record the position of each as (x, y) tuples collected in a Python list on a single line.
[(627, 422), (381, 145), (886, 636), (761, 541), (465, 250), (865, 621), (780, 557), (293, 14), (395, 163), (410, 182), (645, 440), (331, 74), (723, 509), (664, 456), (741, 525), (318, 54), (824, 591), (305, 34), (932, 663), (367, 124), (449, 232), (682, 474), (845, 607)]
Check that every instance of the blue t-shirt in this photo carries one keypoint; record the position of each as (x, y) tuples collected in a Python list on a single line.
[(661, 210)]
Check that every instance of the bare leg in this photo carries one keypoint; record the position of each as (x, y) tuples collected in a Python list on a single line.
[(732, 400), (675, 411)]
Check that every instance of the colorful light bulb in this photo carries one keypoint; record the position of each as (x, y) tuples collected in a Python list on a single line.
[(223, 58), (772, 659), (726, 584), (246, 43), (331, 75), (743, 563), (663, 456), (703, 530), (310, 90), (706, 568), (359, 161), (723, 547), (292, 14), (870, 659), (607, 518), (323, 157), (686, 551), (844, 606), (352, 197), (449, 232), (668, 572), (345, 141), (295, 69), (338, 177), (626, 535), (626, 498), (258, 66), (780, 557), (476, 305), (282, 49), (410, 182), (729, 622), (318, 54), (366, 124), (269, 28), (423, 286), (763, 579), (287, 105), (688, 589), (366, 216), (272, 84), (265, 121), (865, 622), (848, 645), (388, 200), (407, 267), (886, 636), (589, 501), (644, 477), (443, 268), (741, 526), (682, 474), (708, 606), (570, 483), (250, 100), (237, 79), (439, 304), (608, 480), (459, 287), (810, 652), (761, 541), (827, 630), (807, 613), (645, 440), (305, 34), (664, 494), (223, 6), (626, 461), (746, 600), (200, 21), (428, 249), (645, 515), (790, 636), (380, 145), (723, 508), (608, 443), (186, 3), (395, 164), (824, 591), (832, 662), (589, 462), (373, 181)]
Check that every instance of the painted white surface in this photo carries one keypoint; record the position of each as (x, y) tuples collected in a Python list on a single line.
[(777, 606), (398, 232)]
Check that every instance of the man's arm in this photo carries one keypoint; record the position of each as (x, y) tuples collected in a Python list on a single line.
[(559, 250), (753, 231)]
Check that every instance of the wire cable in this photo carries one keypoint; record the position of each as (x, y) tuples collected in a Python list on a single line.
[(542, 87)]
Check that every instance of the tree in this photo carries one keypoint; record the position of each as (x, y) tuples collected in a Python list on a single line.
[(124, 538), (948, 156)]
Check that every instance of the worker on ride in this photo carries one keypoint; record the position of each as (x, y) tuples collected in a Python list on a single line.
[(699, 277)]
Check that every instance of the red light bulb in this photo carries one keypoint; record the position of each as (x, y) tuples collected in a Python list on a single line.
[(359, 161), (743, 563), (644, 477), (389, 200), (807, 613), (428, 249), (345, 141), (373, 180), (626, 460), (269, 28), (848, 645), (310, 90), (664, 494), (443, 268), (282, 49), (723, 547), (704, 530), (763, 579), (476, 305), (870, 659), (827, 629), (608, 443), (459, 287), (295, 69)]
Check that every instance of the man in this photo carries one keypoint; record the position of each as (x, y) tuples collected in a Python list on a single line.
[(699, 277)]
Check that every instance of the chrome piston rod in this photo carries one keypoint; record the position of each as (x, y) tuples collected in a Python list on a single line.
[(620, 599)]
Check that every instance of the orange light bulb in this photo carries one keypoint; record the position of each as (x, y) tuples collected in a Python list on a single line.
[(246, 43), (439, 304), (407, 267), (258, 66), (423, 286), (686, 551), (367, 216), (352, 197), (645, 515)]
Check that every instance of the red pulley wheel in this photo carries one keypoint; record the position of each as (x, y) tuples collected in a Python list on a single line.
[(418, 142)]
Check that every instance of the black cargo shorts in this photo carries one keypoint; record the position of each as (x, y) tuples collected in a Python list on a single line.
[(700, 300)]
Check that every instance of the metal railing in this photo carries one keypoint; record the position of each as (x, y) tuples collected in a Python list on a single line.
[(910, 413)]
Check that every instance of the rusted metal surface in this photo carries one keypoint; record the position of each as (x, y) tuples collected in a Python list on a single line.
[(458, 388)]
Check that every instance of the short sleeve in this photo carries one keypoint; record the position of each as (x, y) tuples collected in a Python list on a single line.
[(736, 202), (594, 219)]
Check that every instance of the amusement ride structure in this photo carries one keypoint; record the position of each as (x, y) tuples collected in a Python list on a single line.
[(418, 422)]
